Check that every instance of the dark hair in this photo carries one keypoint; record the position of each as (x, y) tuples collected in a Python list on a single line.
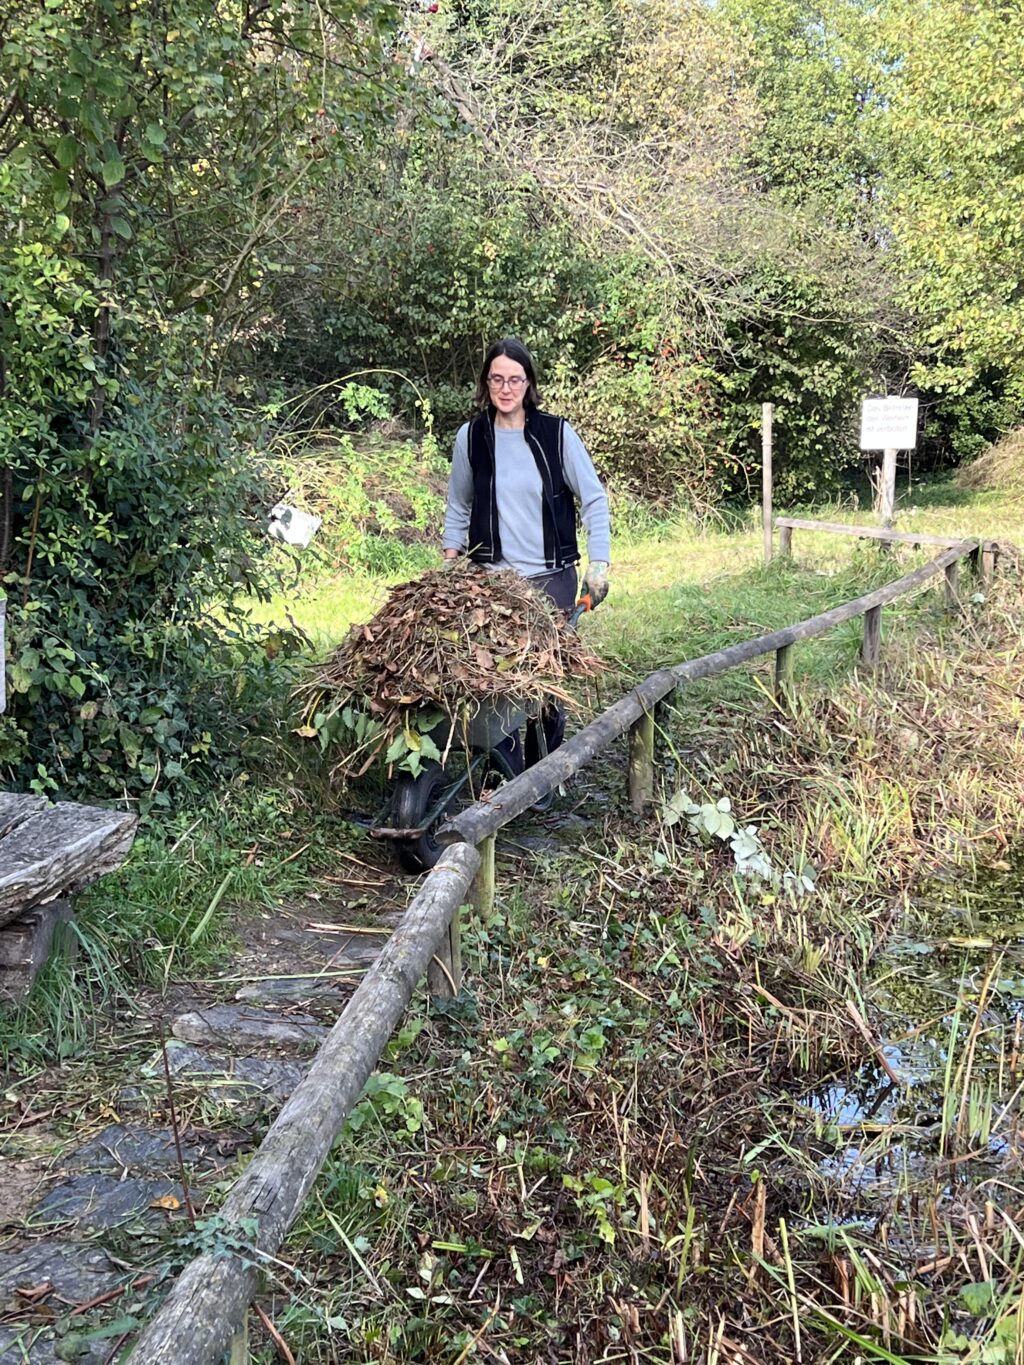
[(515, 350)]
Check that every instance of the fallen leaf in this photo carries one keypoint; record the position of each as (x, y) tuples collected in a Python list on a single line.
[(166, 1201)]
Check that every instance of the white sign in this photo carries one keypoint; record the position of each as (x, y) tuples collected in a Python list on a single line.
[(292, 526), (888, 424)]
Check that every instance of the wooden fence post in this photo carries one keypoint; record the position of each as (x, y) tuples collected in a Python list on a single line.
[(641, 761), (870, 645), (238, 1353), (766, 479), (481, 892), (887, 489), (953, 586), (988, 562), (784, 685), (785, 540), (444, 974)]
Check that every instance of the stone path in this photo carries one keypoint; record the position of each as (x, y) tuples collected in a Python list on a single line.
[(81, 1264), (83, 1241)]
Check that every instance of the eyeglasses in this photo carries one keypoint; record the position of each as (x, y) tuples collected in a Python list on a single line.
[(499, 381)]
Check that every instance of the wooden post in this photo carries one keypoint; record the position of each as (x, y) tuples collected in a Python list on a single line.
[(641, 761), (785, 540), (988, 562), (887, 488), (870, 646), (784, 687), (953, 586), (766, 479), (444, 973), (481, 893), (239, 1350)]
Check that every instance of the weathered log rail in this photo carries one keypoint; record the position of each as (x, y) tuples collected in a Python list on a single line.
[(204, 1308), (205, 1311), (983, 556)]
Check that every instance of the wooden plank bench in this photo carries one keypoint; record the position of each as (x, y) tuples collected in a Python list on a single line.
[(47, 853)]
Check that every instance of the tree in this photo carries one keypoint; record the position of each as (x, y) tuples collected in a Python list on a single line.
[(953, 137)]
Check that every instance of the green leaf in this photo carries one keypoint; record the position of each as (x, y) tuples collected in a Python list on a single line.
[(112, 171), (396, 750), (61, 190), (62, 222), (77, 685), (66, 152), (155, 134)]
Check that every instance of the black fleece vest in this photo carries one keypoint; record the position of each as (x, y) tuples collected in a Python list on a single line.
[(558, 506)]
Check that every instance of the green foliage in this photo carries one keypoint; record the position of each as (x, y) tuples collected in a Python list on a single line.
[(381, 501), (798, 340), (952, 88), (146, 161), (810, 70), (386, 1101), (429, 277)]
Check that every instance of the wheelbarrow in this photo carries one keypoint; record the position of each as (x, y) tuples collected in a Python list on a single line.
[(477, 759)]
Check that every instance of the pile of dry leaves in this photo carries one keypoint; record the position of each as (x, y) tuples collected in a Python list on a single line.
[(446, 642)]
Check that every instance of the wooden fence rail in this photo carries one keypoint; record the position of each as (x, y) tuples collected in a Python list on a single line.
[(983, 556), (480, 821), (206, 1307)]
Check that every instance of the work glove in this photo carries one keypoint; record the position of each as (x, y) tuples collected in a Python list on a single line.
[(595, 582)]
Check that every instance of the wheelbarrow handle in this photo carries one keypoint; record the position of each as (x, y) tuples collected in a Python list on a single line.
[(583, 605)]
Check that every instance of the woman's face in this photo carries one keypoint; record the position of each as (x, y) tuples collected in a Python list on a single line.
[(507, 385)]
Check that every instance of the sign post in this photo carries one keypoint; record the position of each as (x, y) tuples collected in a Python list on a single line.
[(888, 425), (766, 478)]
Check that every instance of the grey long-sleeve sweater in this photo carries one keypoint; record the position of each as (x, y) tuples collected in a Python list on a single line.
[(519, 493)]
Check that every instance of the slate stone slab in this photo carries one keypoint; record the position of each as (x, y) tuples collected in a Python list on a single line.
[(16, 807), (244, 1081), (224, 1025), (58, 850), (96, 1200), (142, 1151), (330, 990), (78, 1272)]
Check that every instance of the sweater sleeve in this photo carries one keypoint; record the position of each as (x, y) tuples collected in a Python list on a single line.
[(581, 477), (460, 494)]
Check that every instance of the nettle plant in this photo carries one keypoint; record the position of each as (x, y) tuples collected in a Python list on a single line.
[(713, 821)]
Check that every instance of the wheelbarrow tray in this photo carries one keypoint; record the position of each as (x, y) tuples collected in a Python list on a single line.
[(492, 721)]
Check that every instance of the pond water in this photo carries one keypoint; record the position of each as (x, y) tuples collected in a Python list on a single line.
[(947, 1000)]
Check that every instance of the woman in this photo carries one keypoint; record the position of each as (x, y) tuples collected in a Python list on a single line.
[(518, 476)]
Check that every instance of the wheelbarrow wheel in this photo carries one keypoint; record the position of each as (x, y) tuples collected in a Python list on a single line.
[(413, 799)]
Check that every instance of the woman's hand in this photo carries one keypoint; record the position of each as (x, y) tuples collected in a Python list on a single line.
[(595, 582)]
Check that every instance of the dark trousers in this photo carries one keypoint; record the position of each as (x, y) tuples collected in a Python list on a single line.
[(561, 588)]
